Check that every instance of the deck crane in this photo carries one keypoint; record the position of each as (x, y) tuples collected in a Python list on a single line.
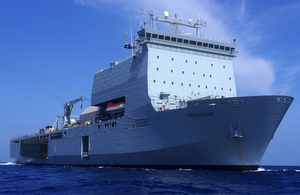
[(67, 113)]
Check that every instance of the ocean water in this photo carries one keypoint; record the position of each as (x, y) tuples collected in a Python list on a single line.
[(21, 179)]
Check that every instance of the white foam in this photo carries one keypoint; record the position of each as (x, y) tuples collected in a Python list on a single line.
[(185, 169), (261, 169), (8, 163)]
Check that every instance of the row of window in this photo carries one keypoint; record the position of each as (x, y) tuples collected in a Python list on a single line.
[(182, 72), (186, 61), (108, 125), (190, 85), (190, 42)]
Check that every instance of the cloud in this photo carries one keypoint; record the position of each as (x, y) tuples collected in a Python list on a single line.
[(253, 74), (291, 76)]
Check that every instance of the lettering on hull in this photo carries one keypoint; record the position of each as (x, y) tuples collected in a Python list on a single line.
[(201, 114)]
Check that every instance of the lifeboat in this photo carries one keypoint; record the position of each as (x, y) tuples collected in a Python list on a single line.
[(115, 107)]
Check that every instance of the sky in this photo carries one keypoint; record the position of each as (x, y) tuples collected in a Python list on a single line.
[(49, 50)]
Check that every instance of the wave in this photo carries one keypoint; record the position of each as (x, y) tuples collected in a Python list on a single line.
[(8, 163)]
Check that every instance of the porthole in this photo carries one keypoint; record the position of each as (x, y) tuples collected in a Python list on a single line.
[(279, 99)]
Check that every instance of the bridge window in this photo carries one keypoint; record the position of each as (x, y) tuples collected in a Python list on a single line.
[(199, 43), (148, 36), (193, 42)]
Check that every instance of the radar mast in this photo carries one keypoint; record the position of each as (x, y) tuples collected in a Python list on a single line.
[(174, 22)]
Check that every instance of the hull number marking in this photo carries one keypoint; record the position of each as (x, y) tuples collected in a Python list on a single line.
[(140, 123)]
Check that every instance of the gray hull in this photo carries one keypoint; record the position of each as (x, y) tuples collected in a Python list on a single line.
[(229, 133)]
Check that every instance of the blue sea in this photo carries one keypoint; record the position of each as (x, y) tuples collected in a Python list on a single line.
[(21, 179)]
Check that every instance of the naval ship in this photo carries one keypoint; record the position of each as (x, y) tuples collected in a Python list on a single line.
[(171, 104)]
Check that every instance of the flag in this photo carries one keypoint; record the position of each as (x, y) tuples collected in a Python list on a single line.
[(130, 46)]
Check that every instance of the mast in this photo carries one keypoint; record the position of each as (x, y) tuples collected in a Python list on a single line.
[(174, 22)]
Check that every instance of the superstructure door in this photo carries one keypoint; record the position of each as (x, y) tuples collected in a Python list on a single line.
[(85, 147)]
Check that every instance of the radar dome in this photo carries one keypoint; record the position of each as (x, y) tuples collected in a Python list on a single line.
[(166, 14)]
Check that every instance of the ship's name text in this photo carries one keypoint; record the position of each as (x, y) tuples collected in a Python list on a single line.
[(201, 114)]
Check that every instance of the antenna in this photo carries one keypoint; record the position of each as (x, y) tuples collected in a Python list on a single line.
[(131, 41), (174, 22), (131, 45)]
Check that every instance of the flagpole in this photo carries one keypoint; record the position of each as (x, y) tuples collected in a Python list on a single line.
[(131, 42)]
